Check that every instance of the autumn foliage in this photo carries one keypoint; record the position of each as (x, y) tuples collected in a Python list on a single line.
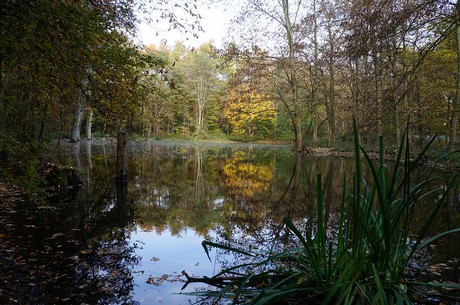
[(251, 115)]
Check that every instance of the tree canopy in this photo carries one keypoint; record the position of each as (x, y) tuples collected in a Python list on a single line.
[(302, 72)]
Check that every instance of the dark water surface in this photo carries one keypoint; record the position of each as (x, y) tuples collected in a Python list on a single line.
[(115, 244)]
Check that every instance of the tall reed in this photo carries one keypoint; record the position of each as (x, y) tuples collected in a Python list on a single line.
[(365, 262)]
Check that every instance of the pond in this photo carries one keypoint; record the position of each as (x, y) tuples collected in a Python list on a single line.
[(108, 243)]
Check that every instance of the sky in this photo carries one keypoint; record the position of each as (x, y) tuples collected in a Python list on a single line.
[(215, 22)]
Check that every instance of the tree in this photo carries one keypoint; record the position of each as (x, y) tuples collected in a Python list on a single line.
[(331, 11), (277, 21), (380, 35), (200, 77), (436, 89), (48, 47), (251, 115), (60, 58), (456, 102), (157, 112), (292, 78)]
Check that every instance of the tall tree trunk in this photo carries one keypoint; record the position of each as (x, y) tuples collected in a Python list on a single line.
[(358, 95), (331, 108), (394, 85), (315, 81), (89, 124), (77, 120), (456, 101), (293, 78), (43, 120), (201, 101), (406, 110), (331, 98), (378, 94), (61, 125), (2, 96), (397, 119)]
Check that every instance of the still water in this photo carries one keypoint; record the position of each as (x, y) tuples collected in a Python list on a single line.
[(115, 244)]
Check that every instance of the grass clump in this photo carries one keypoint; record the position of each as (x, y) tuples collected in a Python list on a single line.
[(365, 262)]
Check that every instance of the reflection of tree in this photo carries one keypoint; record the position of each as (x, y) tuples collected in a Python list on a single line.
[(294, 187), (448, 218), (122, 209), (199, 188), (89, 165), (71, 251), (76, 155), (241, 191), (247, 178), (178, 189), (294, 194)]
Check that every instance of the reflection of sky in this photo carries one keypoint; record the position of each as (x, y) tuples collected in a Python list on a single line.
[(174, 254)]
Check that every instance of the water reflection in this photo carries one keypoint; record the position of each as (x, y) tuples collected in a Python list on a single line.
[(97, 246), (241, 193)]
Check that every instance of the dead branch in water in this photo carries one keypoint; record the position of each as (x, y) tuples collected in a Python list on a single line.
[(219, 282)]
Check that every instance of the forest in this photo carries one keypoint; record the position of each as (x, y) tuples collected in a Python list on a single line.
[(70, 70), (284, 226)]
